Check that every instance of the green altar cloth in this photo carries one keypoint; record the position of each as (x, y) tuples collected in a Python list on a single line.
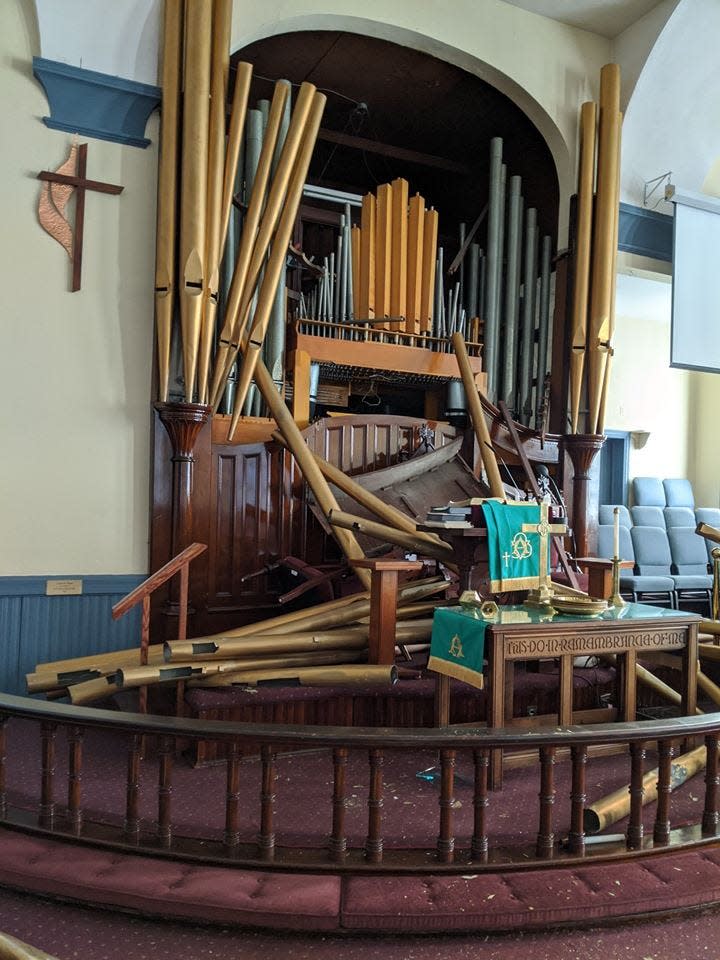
[(457, 645), (513, 553)]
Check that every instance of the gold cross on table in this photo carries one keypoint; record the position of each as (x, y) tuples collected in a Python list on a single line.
[(543, 595)]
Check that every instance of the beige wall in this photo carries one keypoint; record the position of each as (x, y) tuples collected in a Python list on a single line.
[(74, 367), (703, 447), (679, 408), (645, 393)]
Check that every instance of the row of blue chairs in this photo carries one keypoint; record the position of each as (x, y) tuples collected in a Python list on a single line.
[(672, 563)]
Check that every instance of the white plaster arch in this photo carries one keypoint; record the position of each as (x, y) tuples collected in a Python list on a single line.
[(560, 138)]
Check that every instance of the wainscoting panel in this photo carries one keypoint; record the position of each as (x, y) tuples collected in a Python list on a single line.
[(35, 627)]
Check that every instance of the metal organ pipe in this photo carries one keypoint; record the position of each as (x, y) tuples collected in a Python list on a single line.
[(512, 291), (493, 265), (544, 320), (528, 316)]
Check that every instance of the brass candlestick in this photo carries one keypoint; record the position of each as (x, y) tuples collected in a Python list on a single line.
[(715, 608), (616, 600)]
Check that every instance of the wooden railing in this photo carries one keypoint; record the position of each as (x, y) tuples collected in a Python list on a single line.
[(142, 594), (449, 852)]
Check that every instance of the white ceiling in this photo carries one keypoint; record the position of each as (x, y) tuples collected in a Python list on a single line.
[(606, 17)]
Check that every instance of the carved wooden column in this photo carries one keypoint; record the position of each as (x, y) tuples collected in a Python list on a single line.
[(582, 449), (183, 423)]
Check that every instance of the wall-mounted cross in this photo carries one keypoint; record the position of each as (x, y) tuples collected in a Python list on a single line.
[(81, 184)]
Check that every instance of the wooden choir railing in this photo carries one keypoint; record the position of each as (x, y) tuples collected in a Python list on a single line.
[(448, 853), (142, 594)]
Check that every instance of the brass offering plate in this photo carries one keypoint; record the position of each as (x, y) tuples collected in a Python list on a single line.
[(585, 606)]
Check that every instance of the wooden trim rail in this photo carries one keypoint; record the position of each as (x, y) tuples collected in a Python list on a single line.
[(142, 593), (233, 842)]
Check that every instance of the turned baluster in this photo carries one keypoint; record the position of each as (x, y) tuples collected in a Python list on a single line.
[(479, 843), (266, 838), (545, 845), (635, 825), (47, 775), (661, 828), (232, 799), (710, 817), (446, 839), (374, 843), (3, 765), (132, 790), (576, 834), (166, 750), (75, 741), (338, 840)]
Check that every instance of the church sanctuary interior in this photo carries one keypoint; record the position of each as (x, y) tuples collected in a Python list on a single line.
[(360, 516)]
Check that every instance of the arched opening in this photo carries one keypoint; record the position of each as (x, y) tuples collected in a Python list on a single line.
[(398, 112), (406, 103)]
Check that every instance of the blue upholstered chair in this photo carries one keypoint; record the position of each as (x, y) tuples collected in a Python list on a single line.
[(679, 493), (709, 515), (679, 517), (648, 492), (689, 565), (639, 588), (653, 558), (647, 516), (606, 515)]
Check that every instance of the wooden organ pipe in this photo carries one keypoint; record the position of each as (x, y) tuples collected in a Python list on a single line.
[(219, 69), (383, 249), (399, 247), (167, 191), (193, 205), (583, 246), (477, 417), (604, 255), (295, 179), (233, 321)]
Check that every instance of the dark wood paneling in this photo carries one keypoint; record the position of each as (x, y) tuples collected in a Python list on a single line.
[(249, 505)]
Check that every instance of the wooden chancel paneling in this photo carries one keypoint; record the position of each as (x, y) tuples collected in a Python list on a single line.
[(249, 506)]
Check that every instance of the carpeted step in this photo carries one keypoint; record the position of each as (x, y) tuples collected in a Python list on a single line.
[(169, 888), (527, 899)]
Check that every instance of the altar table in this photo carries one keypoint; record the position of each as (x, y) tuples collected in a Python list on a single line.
[(627, 632)]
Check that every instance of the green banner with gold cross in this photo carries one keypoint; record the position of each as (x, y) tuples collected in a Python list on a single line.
[(457, 645), (515, 545)]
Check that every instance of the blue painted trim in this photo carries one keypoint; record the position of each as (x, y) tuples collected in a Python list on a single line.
[(92, 585), (96, 104), (36, 628), (645, 232)]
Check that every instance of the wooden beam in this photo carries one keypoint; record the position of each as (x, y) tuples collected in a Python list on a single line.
[(385, 356), (397, 153)]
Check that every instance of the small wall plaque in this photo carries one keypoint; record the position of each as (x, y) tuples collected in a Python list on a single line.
[(63, 588)]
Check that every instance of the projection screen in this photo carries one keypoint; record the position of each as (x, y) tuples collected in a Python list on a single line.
[(695, 330)]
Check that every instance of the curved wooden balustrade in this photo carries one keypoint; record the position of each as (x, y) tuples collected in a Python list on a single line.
[(450, 853)]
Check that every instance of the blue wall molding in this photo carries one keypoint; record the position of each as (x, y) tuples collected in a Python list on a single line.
[(645, 232), (35, 628), (96, 104)]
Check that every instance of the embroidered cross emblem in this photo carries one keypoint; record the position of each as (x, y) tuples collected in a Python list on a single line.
[(456, 649)]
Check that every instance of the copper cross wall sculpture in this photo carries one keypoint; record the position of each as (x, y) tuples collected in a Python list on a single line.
[(58, 187)]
